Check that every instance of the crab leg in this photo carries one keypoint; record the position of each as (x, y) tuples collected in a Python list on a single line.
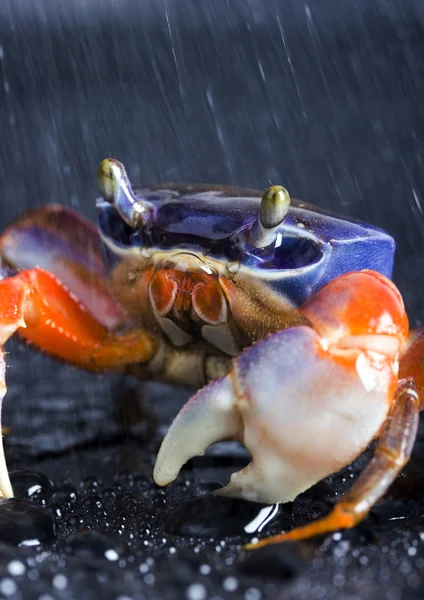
[(63, 243), (411, 362), (40, 308), (5, 485), (391, 454)]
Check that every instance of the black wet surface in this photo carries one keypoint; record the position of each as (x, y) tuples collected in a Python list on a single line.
[(323, 97), (89, 523)]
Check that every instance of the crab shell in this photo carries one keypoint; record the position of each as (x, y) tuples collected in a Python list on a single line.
[(191, 274), (191, 271)]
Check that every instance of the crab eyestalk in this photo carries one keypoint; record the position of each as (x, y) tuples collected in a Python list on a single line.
[(115, 188), (272, 212)]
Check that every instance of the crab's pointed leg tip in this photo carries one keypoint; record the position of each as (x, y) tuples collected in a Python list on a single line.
[(6, 490), (210, 416), (257, 544), (5, 486), (292, 536)]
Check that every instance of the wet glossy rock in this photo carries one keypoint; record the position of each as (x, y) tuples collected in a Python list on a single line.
[(24, 523), (219, 516), (279, 561), (93, 544), (396, 510)]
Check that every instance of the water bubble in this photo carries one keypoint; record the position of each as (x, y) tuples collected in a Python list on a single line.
[(196, 591), (127, 504), (34, 486), (111, 554), (230, 584), (205, 569), (149, 579), (8, 587), (75, 521), (65, 495), (90, 485), (253, 594), (60, 582), (16, 568)]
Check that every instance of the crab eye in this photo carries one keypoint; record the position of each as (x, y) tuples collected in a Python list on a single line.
[(115, 188), (109, 175), (274, 207)]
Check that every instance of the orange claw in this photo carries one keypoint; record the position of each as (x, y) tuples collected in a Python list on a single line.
[(37, 306), (43, 311), (363, 302)]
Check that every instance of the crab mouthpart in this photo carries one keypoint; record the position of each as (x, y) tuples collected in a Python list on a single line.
[(210, 416)]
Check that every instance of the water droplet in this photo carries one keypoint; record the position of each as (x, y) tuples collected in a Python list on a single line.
[(65, 495), (35, 486), (111, 554), (205, 569), (108, 496), (56, 510), (90, 485), (75, 521), (60, 582), (252, 594), (8, 587), (16, 568), (92, 503), (230, 584), (127, 504), (196, 591)]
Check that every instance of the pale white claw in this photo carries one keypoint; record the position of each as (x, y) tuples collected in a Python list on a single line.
[(302, 414), (5, 485), (209, 417)]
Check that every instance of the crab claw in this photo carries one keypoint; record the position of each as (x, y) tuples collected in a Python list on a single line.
[(305, 403), (210, 416), (5, 485)]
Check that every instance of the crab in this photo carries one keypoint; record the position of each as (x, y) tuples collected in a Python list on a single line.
[(282, 314)]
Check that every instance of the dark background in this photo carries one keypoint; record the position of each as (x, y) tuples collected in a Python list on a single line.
[(325, 97)]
